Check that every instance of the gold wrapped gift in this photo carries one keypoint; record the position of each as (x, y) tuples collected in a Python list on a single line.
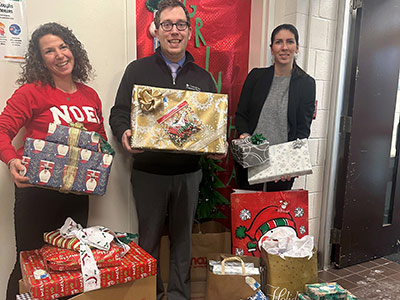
[(178, 120)]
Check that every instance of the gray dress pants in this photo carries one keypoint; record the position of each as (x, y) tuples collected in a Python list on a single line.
[(176, 195)]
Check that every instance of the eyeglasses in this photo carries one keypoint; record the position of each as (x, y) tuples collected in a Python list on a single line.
[(167, 26)]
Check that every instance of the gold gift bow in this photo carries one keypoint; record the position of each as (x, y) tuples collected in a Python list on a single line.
[(149, 99)]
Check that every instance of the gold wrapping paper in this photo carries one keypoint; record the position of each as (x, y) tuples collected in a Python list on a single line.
[(70, 169), (178, 120), (74, 133)]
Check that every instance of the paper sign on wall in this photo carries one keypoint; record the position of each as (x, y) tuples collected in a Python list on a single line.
[(13, 30)]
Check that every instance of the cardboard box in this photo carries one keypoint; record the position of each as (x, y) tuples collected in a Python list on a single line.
[(66, 168), (286, 159), (139, 289), (178, 120), (136, 264)]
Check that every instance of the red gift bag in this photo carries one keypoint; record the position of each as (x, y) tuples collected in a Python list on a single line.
[(256, 215)]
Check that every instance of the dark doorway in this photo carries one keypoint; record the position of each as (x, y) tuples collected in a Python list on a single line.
[(367, 219)]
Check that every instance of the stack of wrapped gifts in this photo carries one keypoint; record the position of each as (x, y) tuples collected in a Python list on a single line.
[(178, 120), (71, 159), (266, 163), (102, 260)]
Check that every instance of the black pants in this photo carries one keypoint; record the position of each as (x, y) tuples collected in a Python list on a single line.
[(38, 210), (272, 186), (155, 195)]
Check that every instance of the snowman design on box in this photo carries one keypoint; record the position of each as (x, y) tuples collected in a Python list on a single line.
[(269, 224), (25, 163), (92, 178), (45, 171), (38, 146)]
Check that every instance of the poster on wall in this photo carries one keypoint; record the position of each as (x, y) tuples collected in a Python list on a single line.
[(13, 30), (219, 44)]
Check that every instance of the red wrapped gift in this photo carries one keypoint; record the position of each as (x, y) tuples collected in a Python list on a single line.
[(136, 264), (256, 215), (59, 259)]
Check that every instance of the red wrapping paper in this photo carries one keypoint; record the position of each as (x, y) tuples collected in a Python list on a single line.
[(255, 214), (136, 264), (58, 259)]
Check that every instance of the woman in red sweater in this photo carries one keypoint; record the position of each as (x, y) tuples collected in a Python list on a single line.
[(52, 91)]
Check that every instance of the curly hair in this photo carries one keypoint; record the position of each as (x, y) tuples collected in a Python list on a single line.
[(166, 4), (34, 69)]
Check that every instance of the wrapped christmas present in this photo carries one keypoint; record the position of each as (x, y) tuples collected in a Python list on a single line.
[(66, 168), (350, 296), (304, 296), (75, 135), (286, 159), (325, 291), (58, 259), (55, 238), (178, 120), (233, 268), (251, 151), (25, 296), (256, 286), (45, 285)]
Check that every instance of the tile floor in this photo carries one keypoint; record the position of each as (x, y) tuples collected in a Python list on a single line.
[(375, 279)]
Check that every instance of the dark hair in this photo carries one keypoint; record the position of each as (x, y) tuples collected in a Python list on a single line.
[(169, 3), (34, 69), (289, 27)]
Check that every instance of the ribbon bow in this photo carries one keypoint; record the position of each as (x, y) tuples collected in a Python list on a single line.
[(98, 237), (297, 144), (149, 99), (257, 139)]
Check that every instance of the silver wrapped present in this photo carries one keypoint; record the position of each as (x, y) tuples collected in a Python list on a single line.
[(286, 159), (248, 154)]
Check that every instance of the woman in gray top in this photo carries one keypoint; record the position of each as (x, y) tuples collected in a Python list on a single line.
[(277, 101)]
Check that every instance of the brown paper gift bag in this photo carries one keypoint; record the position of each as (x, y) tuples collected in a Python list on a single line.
[(230, 287), (208, 237), (285, 278)]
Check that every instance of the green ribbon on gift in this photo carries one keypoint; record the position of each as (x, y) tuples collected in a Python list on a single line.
[(105, 147), (257, 139)]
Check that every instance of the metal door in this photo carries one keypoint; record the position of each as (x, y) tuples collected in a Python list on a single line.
[(367, 219)]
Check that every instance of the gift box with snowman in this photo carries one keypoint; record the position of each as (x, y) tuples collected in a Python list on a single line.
[(71, 160)]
